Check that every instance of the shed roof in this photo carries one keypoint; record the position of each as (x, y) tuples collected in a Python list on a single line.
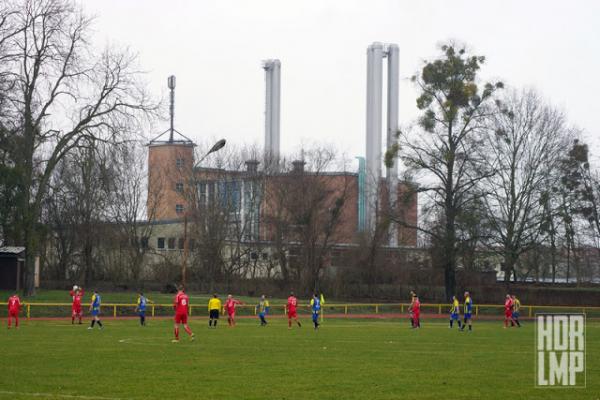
[(12, 249)]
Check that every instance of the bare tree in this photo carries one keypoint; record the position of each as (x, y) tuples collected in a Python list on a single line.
[(453, 122), (524, 152), (76, 210), (128, 210), (223, 200), (62, 244), (305, 210), (370, 244), (578, 208), (583, 184), (62, 92)]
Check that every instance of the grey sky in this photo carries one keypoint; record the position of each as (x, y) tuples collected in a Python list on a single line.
[(215, 49)]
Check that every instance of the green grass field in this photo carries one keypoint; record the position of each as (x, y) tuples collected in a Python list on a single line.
[(346, 359)]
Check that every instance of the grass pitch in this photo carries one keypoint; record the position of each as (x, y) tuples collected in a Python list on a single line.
[(346, 359)]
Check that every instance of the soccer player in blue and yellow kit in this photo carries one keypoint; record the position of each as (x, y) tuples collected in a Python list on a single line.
[(454, 312), (142, 301), (516, 310), (468, 311), (95, 309), (315, 305), (263, 309)]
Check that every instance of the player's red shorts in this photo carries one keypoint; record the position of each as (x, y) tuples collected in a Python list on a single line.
[(181, 318), (13, 314), (231, 314), (416, 315), (508, 314), (292, 314), (76, 311)]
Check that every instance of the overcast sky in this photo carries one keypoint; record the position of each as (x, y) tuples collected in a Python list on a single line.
[(215, 49)]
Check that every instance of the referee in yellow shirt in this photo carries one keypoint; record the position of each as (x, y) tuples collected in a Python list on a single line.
[(214, 307)]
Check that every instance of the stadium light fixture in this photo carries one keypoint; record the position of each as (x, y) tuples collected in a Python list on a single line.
[(216, 147)]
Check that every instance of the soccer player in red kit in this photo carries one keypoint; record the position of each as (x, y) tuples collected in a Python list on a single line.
[(181, 304), (410, 309), (230, 308), (416, 312), (508, 306), (76, 312), (291, 305), (14, 306)]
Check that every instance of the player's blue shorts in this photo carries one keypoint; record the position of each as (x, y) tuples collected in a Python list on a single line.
[(515, 314), (142, 313), (95, 312), (467, 315), (454, 316)]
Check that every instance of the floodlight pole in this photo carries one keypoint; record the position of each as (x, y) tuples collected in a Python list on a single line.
[(186, 249)]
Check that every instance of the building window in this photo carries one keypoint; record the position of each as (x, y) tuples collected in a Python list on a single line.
[(191, 244), (202, 193), (180, 162), (160, 243), (180, 243), (230, 195), (144, 242), (171, 243), (179, 208), (212, 193), (179, 187)]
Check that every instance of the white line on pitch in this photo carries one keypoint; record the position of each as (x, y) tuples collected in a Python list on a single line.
[(64, 396)]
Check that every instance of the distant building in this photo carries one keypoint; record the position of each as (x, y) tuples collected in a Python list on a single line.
[(177, 187)]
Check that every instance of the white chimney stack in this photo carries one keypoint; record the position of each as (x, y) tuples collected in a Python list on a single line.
[(376, 52), (272, 111)]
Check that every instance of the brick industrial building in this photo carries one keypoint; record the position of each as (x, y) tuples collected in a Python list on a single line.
[(175, 182), (272, 201)]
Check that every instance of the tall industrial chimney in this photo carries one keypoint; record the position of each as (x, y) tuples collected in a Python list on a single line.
[(374, 122), (376, 52), (393, 56), (272, 111)]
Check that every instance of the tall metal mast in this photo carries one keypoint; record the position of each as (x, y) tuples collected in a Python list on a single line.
[(181, 139), (171, 83)]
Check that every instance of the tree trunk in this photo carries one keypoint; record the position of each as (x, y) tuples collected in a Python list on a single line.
[(568, 260), (450, 248), (450, 278), (510, 260), (553, 259), (87, 261), (31, 251), (450, 264)]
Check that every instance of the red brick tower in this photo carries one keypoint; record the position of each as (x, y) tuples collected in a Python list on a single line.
[(170, 168)]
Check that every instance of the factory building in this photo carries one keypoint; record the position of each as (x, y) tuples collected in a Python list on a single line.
[(179, 189)]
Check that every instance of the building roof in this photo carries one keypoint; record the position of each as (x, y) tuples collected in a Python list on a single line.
[(275, 174), (12, 249)]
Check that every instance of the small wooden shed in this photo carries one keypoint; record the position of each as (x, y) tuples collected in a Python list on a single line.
[(12, 266)]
